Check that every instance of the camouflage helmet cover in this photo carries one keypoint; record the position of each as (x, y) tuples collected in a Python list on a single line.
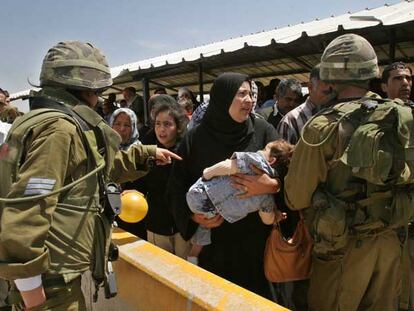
[(349, 58), (76, 65)]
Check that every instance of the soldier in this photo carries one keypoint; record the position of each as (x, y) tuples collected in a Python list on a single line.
[(352, 168), (55, 176)]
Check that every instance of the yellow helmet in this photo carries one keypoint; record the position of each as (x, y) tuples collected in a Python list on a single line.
[(134, 206)]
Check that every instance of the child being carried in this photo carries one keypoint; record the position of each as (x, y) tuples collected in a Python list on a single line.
[(213, 193)]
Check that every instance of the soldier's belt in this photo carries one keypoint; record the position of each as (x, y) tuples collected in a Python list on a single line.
[(373, 228), (374, 198), (55, 281)]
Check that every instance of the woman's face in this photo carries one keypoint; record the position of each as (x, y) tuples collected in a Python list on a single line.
[(166, 129), (242, 103), (122, 125)]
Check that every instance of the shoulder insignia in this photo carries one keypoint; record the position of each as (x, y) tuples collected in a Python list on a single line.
[(39, 186)]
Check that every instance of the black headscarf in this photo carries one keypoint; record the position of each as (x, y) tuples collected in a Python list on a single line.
[(217, 120)]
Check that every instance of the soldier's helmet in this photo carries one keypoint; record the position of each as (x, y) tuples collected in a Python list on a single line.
[(349, 57), (75, 65)]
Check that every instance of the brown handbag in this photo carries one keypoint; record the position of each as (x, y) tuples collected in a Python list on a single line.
[(288, 261)]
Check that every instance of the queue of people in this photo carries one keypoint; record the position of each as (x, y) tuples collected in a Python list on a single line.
[(218, 178)]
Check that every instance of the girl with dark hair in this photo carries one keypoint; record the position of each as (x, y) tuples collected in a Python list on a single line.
[(170, 123)]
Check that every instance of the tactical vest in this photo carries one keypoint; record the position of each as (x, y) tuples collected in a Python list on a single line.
[(374, 162), (79, 235)]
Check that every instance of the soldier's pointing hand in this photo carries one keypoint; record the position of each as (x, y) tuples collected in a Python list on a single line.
[(163, 156)]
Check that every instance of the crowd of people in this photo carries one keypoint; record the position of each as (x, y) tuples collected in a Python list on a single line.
[(250, 158)]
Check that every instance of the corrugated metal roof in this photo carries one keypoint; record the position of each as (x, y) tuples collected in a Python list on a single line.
[(21, 94), (287, 52), (386, 15)]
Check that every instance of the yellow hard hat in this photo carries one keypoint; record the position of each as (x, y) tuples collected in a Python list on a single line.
[(134, 206)]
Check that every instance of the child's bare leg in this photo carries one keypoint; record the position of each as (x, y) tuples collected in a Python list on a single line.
[(193, 254), (195, 250)]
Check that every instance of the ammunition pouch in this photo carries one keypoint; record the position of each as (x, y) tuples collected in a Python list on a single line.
[(103, 230), (387, 209), (104, 250), (402, 207), (335, 219), (329, 227), (371, 149)]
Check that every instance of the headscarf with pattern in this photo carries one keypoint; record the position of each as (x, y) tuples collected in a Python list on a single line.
[(134, 139)]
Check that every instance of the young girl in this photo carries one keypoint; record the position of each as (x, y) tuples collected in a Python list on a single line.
[(170, 124)]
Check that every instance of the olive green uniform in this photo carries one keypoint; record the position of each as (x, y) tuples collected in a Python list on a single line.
[(364, 272), (54, 236)]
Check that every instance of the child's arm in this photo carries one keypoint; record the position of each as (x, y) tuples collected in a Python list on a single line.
[(223, 168)]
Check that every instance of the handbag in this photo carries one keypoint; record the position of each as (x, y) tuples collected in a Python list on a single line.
[(288, 260)]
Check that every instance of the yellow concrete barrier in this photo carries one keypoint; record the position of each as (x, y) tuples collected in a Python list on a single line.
[(151, 279)]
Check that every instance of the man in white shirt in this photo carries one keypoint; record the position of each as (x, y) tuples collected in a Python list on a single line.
[(136, 103)]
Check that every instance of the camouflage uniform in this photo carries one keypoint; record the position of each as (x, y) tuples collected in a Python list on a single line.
[(357, 253), (55, 236)]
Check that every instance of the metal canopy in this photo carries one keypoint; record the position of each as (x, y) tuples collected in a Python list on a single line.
[(288, 52), (285, 52)]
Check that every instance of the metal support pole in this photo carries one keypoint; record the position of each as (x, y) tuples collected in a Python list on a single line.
[(145, 94), (392, 45), (200, 81)]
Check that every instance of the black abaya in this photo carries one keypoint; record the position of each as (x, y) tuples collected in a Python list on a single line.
[(236, 251)]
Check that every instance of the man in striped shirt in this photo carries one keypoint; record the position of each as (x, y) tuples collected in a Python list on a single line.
[(290, 126), (288, 95)]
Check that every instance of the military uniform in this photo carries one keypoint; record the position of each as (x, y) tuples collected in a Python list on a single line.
[(61, 235), (57, 241), (364, 273), (353, 168)]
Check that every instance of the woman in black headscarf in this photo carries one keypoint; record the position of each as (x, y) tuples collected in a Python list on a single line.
[(236, 251)]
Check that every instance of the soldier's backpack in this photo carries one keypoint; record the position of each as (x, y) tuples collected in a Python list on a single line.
[(381, 152), (377, 137)]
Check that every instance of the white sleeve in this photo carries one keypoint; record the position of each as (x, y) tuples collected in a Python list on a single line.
[(27, 284)]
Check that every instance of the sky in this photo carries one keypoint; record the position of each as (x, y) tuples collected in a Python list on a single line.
[(128, 31)]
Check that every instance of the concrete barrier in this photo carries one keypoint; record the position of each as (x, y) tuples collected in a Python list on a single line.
[(151, 279)]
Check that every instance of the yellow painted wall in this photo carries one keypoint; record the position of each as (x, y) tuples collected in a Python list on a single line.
[(151, 279)]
